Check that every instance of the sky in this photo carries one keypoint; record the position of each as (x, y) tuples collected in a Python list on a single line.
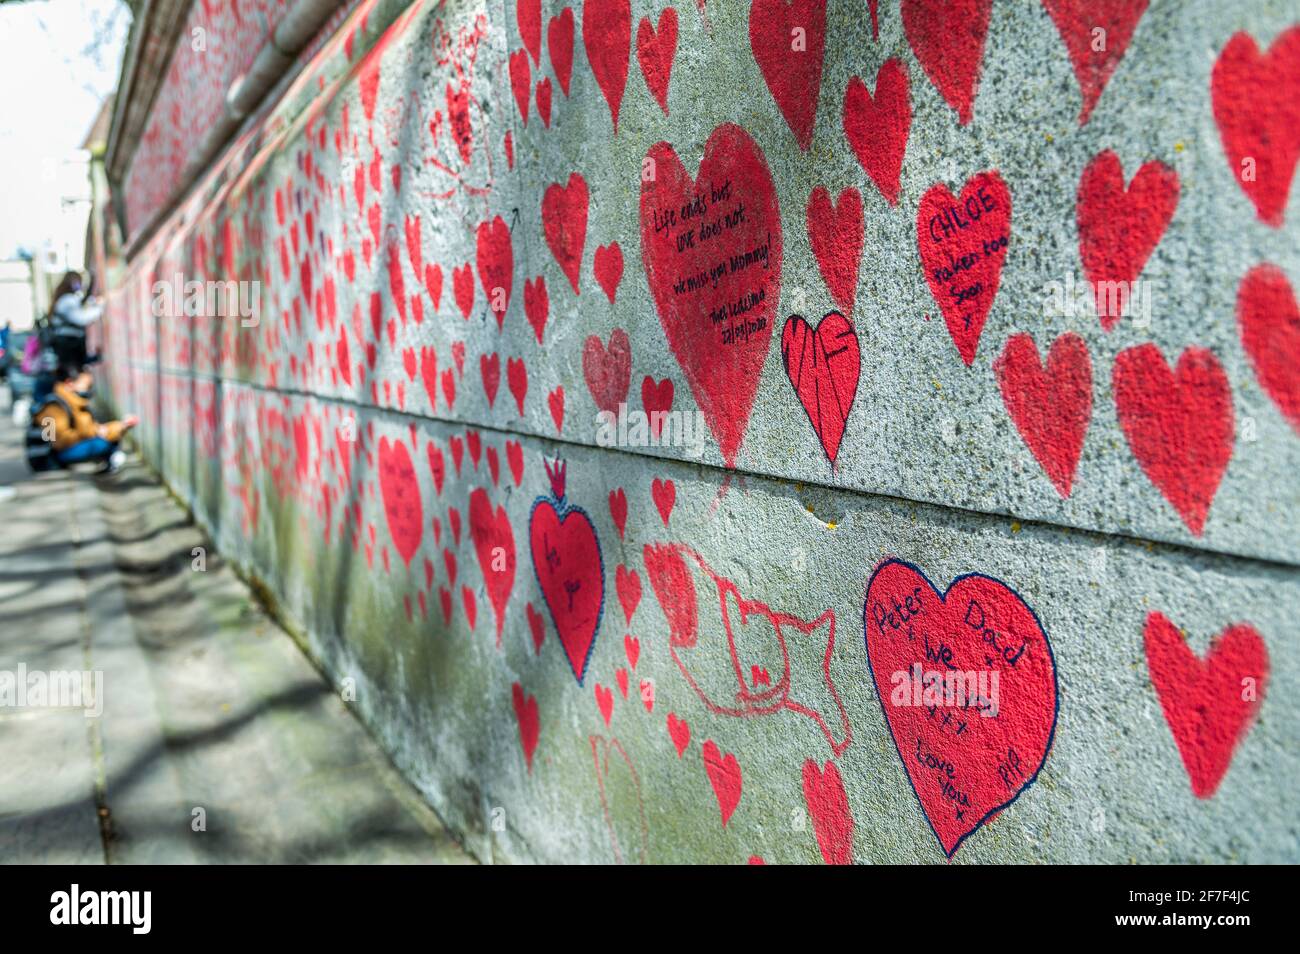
[(58, 60)]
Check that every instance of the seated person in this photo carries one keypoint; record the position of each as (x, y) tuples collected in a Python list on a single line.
[(78, 437)]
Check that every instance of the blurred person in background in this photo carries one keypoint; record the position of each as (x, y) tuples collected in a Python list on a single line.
[(77, 436)]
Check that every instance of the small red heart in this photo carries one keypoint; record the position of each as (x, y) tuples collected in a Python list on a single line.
[(605, 702), (655, 50), (544, 101), (537, 304), (520, 81), (490, 369), (823, 792), (618, 509), (1270, 334), (537, 626), (947, 38), (528, 15), (878, 127), (793, 74), (835, 235), (564, 224), (628, 584), (529, 725), (1078, 22), (664, 493), (433, 283), (471, 605), (517, 379), (1179, 424), (1050, 407), (632, 649), (495, 257), (657, 399), (608, 265), (1119, 228), (608, 371), (648, 695), (1255, 105), (680, 732), (559, 43), (515, 460), (620, 676), (724, 776), (462, 285), (607, 37), (1204, 700), (823, 366), (555, 400)]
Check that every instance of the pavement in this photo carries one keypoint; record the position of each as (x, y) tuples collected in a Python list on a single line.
[(218, 741)]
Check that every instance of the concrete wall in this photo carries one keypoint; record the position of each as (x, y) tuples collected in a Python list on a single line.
[(586, 645)]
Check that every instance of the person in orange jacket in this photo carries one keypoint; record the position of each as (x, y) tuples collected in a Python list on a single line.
[(78, 437)]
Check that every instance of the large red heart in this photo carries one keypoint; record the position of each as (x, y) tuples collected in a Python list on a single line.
[(963, 244), (718, 327), (401, 493), (828, 805), (570, 571), (607, 37), (877, 127), (564, 223), (496, 264), (835, 235), (1051, 406), (494, 544), (948, 37), (1257, 109), (1077, 21), (655, 50), (788, 39), (968, 685), (1119, 228), (823, 365), (529, 724), (1205, 700), (1270, 334), (608, 371), (1179, 424), (724, 776)]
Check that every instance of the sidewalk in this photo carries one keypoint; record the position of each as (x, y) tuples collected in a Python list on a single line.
[(210, 710)]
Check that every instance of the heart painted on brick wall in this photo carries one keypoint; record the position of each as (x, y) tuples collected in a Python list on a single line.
[(608, 371), (823, 365), (1269, 322), (494, 545), (947, 37), (967, 757), (788, 40), (718, 331), (963, 243), (1204, 700), (401, 494)]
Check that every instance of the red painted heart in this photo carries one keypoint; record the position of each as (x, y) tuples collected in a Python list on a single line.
[(963, 244), (835, 235), (517, 379), (680, 732), (967, 681), (529, 724), (788, 39), (1051, 406), (559, 43), (569, 570), (494, 545), (823, 365), (948, 37), (1094, 63), (718, 326), (1257, 109), (1270, 334), (1205, 701), (564, 223), (496, 266), (520, 81), (664, 494), (724, 776), (628, 584), (877, 127), (828, 806), (607, 263), (655, 50), (528, 15), (1179, 424), (608, 371), (1119, 228), (607, 37), (401, 494)]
